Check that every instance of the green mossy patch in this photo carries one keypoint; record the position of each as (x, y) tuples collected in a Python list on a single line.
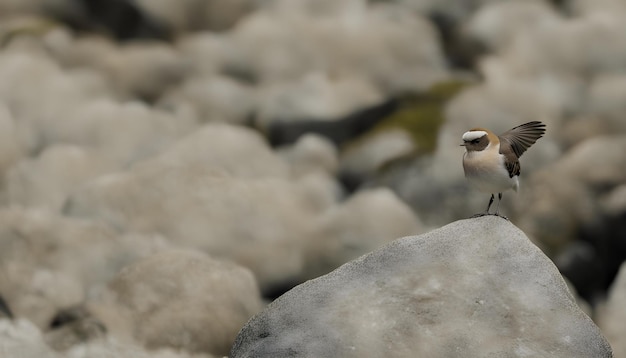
[(421, 115)]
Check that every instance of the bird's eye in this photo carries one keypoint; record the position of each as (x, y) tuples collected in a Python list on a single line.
[(475, 141)]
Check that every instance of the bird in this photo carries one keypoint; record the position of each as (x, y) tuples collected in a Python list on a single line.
[(491, 162)]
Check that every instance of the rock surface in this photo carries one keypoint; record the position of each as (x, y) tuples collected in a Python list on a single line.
[(182, 300), (612, 318), (474, 288)]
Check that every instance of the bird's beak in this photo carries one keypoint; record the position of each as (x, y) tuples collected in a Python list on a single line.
[(463, 145)]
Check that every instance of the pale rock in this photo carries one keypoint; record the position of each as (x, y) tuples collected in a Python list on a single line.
[(111, 347), (497, 107), (22, 339), (558, 200), (193, 15), (51, 262), (330, 39), (316, 96), (216, 98), (144, 70), (184, 300), (578, 129), (551, 208), (366, 156), (311, 153), (46, 181), (605, 100), (582, 7), (457, 10), (597, 162), (230, 149), (614, 203), (10, 148), (473, 288), (612, 317), (259, 223), (597, 48), (321, 190), (364, 222), (497, 23), (39, 94), (204, 52), (121, 132)]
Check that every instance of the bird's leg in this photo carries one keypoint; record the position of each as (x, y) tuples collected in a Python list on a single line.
[(486, 211), (498, 207)]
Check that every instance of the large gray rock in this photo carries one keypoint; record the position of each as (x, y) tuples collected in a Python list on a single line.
[(474, 288)]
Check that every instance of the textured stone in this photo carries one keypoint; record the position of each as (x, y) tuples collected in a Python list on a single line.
[(49, 262), (184, 300), (46, 181), (473, 288), (612, 317)]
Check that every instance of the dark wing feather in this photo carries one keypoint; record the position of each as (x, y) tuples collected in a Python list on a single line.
[(521, 137), (512, 165)]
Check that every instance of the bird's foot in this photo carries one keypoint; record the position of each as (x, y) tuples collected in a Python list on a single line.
[(488, 214), (501, 216)]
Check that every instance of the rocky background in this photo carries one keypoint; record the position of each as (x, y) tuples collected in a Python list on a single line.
[(167, 168)]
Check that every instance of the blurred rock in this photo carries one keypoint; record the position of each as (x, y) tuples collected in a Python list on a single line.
[(120, 19), (260, 223), (497, 23), (475, 286), (547, 212), (569, 204), (361, 224), (184, 300), (216, 98), (5, 311), (46, 181), (10, 148), (193, 15), (583, 265), (72, 326), (138, 70), (316, 95), (612, 317), (582, 7), (40, 94), (121, 132), (577, 130), (51, 262), (338, 130), (328, 37), (604, 100), (311, 153), (110, 347), (614, 203), (21, 338), (363, 158), (597, 162), (230, 149)]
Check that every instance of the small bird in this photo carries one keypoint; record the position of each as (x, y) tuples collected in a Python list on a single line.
[(491, 162)]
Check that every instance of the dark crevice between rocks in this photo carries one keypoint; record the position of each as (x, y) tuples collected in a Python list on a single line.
[(592, 262), (339, 131), (4, 309), (122, 20)]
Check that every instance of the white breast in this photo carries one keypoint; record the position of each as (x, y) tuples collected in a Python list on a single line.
[(485, 171)]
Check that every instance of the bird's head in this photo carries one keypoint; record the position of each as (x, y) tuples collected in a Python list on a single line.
[(478, 139)]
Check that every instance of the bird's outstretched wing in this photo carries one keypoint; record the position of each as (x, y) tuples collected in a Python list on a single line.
[(520, 138)]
